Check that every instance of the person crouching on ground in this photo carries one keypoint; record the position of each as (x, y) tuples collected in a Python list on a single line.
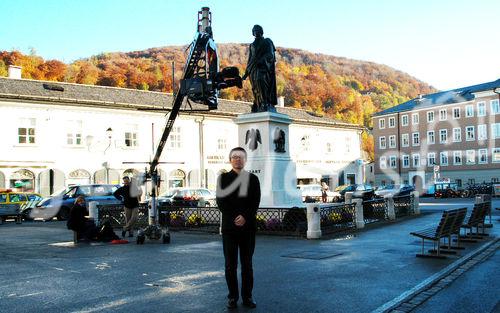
[(238, 198), (85, 228), (129, 194)]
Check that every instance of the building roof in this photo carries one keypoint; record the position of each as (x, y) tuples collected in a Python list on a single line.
[(121, 98), (439, 98)]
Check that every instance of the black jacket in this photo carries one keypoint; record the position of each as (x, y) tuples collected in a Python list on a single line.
[(238, 194), (77, 219), (123, 194)]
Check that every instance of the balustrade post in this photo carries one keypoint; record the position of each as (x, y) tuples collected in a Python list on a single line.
[(94, 212), (416, 202), (313, 221), (391, 212), (360, 219)]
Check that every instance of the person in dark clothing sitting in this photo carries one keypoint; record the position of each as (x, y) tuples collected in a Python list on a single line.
[(78, 222)]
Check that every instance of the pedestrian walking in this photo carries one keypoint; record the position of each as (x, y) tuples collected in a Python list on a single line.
[(129, 194)]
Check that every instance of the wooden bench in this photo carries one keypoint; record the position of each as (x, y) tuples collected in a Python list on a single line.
[(455, 230), (475, 220), (444, 229)]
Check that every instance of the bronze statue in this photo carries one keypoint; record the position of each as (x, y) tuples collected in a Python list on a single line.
[(262, 73)]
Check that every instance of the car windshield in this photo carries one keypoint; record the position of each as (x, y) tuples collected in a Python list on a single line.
[(170, 193), (59, 192)]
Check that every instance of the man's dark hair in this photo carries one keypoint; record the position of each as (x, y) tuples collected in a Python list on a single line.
[(257, 29), (237, 149), (126, 177)]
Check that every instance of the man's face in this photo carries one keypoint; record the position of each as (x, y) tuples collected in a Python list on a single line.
[(126, 181), (238, 160)]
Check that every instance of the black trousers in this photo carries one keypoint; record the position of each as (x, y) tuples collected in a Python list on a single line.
[(245, 243)]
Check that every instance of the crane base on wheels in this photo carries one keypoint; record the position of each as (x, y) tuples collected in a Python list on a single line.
[(153, 232)]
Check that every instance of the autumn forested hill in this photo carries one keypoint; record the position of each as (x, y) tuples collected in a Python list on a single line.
[(341, 88)]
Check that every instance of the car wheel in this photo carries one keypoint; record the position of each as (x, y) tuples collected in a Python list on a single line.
[(27, 215), (63, 214)]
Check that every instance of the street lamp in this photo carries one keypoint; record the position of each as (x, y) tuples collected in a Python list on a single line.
[(109, 133)]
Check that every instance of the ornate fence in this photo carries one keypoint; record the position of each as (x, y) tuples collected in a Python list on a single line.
[(279, 221), (337, 218), (374, 210), (403, 206)]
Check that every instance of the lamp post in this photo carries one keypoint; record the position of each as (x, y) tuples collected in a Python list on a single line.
[(109, 134)]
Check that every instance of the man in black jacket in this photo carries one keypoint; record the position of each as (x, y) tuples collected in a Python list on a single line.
[(238, 198), (129, 194)]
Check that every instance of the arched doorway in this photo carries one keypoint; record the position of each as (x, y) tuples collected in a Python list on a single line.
[(50, 181), (22, 180), (194, 178), (78, 177), (107, 176), (417, 183), (131, 172), (211, 179), (176, 178), (2, 180)]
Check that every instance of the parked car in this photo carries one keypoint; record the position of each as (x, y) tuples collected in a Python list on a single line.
[(190, 197), (362, 191), (59, 204), (394, 190), (313, 193), (24, 199)]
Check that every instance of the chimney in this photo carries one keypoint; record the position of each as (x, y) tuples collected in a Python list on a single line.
[(14, 72), (281, 102)]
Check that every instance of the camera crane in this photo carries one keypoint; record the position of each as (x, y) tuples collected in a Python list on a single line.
[(200, 83)]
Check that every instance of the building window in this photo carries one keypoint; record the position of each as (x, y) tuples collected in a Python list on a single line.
[(74, 134), (416, 160), (495, 155), (470, 157), (469, 111), (481, 108), (494, 180), (26, 131), (443, 135), (222, 144), (392, 122), (329, 147), (414, 118), (482, 156), (431, 159), (442, 115), (495, 130), (469, 133), (457, 134), (392, 141), (495, 106), (456, 113), (457, 157), (404, 120), (415, 139), (431, 139), (382, 142), (405, 140), (471, 181), (383, 162), (430, 116), (459, 183), (443, 158), (381, 123), (392, 161), (131, 137), (406, 161), (482, 132), (174, 138)]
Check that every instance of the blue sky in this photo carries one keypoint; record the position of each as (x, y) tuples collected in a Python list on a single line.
[(448, 44)]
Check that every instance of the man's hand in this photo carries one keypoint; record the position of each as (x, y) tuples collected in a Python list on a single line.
[(239, 221)]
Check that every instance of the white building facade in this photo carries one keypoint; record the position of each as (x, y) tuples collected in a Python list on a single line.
[(58, 134)]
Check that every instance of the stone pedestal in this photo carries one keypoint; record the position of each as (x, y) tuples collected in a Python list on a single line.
[(265, 137)]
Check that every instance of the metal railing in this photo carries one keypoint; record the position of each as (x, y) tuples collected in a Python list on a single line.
[(337, 218), (374, 210), (403, 205)]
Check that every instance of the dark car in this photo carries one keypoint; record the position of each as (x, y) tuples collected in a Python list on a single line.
[(360, 191), (394, 190), (59, 204), (189, 197)]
